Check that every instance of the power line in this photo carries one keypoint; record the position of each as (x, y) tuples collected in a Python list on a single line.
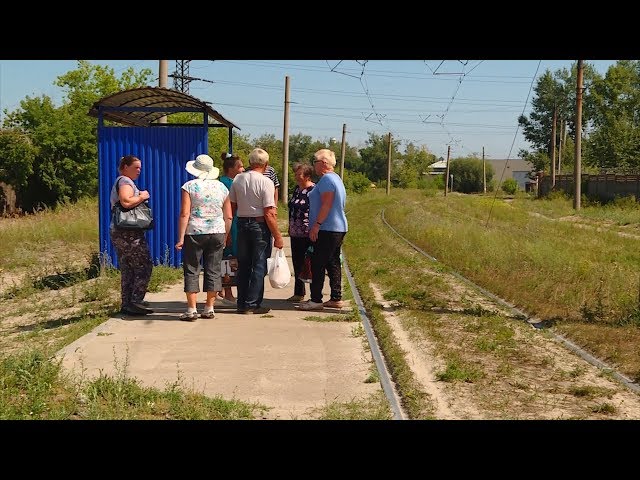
[(514, 138)]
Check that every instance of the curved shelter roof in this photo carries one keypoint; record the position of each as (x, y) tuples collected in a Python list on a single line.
[(141, 106)]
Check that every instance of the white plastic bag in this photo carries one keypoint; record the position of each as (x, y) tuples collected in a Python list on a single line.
[(278, 269)]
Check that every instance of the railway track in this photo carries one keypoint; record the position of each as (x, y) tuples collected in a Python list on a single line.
[(534, 322)]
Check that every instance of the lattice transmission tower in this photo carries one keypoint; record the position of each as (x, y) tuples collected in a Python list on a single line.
[(181, 78)]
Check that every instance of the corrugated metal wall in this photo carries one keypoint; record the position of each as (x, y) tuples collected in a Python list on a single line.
[(164, 151), (604, 188)]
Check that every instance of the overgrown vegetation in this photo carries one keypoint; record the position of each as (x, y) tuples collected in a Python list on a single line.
[(50, 303), (53, 253), (587, 288), (488, 360), (33, 386)]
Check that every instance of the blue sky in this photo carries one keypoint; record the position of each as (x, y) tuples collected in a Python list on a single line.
[(467, 104)]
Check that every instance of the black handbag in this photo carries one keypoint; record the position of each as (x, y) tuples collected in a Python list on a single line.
[(136, 218)]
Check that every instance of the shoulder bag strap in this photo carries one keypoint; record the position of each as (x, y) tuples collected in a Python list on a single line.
[(117, 190)]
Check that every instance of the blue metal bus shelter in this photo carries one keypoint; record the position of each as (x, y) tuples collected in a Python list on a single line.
[(127, 125)]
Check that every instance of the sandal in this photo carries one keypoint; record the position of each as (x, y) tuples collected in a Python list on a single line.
[(188, 316), (208, 314)]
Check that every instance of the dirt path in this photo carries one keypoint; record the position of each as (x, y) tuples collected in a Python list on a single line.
[(523, 373)]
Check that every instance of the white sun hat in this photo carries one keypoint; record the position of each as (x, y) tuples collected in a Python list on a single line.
[(202, 167)]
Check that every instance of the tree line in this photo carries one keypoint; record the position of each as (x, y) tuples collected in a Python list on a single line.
[(49, 156), (610, 119), (48, 153)]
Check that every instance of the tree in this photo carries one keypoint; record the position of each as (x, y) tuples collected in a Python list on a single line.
[(65, 166), (411, 166), (374, 156), (88, 83), (539, 160), (302, 147), (615, 143), (17, 154), (537, 127), (556, 91), (467, 174)]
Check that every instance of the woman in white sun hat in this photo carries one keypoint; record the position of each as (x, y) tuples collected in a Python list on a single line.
[(203, 226)]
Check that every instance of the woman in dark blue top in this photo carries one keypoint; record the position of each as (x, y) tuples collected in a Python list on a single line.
[(299, 224)]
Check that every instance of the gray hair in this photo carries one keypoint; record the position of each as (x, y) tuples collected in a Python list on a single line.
[(258, 157), (327, 155)]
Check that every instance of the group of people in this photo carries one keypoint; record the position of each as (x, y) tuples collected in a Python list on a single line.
[(236, 215)]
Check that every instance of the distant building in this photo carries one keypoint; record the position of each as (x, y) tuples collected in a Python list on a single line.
[(515, 168), (438, 168)]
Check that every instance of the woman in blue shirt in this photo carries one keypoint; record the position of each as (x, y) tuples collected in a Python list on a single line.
[(328, 226)]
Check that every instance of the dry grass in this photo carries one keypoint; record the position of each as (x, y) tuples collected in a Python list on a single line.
[(489, 365)]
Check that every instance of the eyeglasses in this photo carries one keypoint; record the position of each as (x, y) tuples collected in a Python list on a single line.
[(318, 161)]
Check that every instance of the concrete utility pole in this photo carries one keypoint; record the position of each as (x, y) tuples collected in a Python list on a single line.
[(389, 167), (563, 138), (446, 175), (342, 150), (285, 144), (553, 146), (577, 174), (163, 76), (484, 173)]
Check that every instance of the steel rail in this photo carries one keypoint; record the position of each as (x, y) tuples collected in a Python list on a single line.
[(535, 323), (387, 383)]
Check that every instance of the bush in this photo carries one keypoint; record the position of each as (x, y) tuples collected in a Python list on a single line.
[(431, 184), (356, 182), (626, 202), (510, 186), (467, 174)]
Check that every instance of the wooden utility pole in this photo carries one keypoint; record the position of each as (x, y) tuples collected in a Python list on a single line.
[(342, 150), (389, 167), (446, 175), (553, 146), (577, 174), (484, 173), (284, 194), (163, 77)]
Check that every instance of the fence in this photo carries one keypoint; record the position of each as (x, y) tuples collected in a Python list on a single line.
[(600, 187)]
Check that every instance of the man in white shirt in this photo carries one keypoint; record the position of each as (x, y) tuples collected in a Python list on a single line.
[(252, 195)]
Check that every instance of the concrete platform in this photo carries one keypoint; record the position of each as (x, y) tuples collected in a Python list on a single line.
[(281, 360)]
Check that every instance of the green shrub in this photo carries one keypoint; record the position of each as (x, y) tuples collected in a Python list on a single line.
[(356, 182), (467, 174), (510, 186), (626, 202)]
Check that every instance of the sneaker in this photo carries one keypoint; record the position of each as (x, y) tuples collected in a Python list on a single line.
[(135, 309), (188, 316), (225, 302), (256, 311), (144, 310), (310, 305), (295, 298), (334, 303), (208, 314)]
